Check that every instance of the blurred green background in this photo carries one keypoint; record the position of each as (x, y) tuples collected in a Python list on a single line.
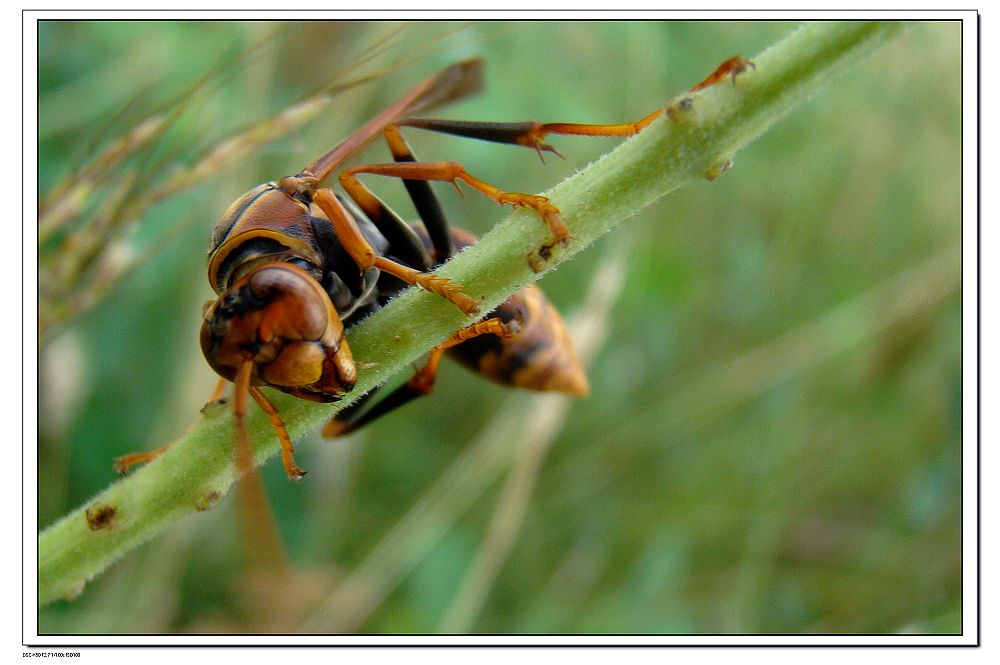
[(772, 443)]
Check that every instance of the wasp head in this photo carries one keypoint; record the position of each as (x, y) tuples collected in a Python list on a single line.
[(279, 318)]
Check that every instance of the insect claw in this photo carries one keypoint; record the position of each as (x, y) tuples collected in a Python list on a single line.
[(542, 148), (292, 469), (733, 67), (746, 64), (560, 232), (548, 148), (448, 289)]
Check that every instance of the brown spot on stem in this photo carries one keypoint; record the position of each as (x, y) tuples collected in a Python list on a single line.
[(101, 517)]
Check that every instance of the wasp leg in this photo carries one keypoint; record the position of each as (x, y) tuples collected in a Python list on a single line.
[(244, 451), (365, 256), (413, 173), (243, 457), (453, 172), (336, 426), (404, 242), (733, 67), (529, 134), (220, 388), (287, 449), (428, 207), (532, 134), (420, 384), (263, 552), (263, 548), (126, 462)]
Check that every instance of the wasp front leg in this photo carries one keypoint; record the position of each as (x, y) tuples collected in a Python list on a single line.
[(422, 383), (276, 326)]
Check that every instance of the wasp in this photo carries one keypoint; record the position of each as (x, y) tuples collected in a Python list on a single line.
[(294, 264)]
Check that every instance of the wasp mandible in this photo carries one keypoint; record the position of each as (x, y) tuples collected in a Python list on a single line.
[(294, 264)]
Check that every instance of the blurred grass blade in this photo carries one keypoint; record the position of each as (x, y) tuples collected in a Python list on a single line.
[(66, 200)]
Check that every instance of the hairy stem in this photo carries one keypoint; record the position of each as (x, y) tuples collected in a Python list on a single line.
[(695, 139)]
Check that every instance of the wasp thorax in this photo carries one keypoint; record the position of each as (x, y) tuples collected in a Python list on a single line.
[(278, 317)]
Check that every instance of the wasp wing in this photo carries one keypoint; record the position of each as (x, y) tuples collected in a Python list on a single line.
[(454, 82)]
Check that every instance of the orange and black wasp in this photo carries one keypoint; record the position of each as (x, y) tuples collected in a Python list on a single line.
[(294, 264)]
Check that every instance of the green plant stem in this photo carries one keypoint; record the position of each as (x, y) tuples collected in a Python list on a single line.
[(695, 139)]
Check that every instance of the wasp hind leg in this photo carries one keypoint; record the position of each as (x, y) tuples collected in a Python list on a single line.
[(733, 67), (422, 383), (528, 134)]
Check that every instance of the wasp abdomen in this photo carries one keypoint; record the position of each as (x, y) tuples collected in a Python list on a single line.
[(540, 356)]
